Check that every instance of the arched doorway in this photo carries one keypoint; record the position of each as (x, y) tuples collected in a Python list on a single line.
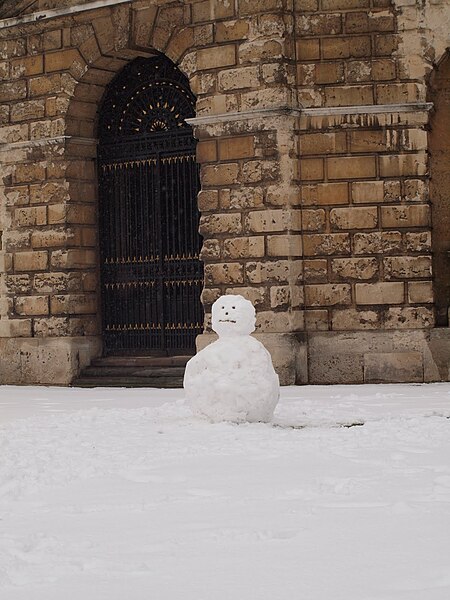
[(151, 275)]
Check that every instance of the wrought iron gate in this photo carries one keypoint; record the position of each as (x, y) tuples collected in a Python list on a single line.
[(151, 274)]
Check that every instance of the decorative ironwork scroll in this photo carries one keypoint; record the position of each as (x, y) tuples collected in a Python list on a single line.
[(151, 274)]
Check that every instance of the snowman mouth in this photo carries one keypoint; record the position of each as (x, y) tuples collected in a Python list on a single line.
[(226, 321)]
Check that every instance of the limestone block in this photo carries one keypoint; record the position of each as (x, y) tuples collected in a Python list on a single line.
[(222, 174), (18, 284), (238, 147), (256, 295), (403, 165), (73, 304), (208, 200), (407, 267), (313, 220), (289, 271), (346, 47), (228, 31), (29, 172), (323, 143), (206, 151), (325, 194), (367, 192), (316, 320), (420, 292), (284, 245), (380, 293), (351, 319), (351, 167), (419, 317), (328, 294), (354, 218), (377, 242), (393, 367), (57, 282), (31, 261), (220, 273), (221, 223), (219, 56), (418, 242), (326, 244), (13, 133), (13, 90), (30, 216), (210, 249), (244, 247), (31, 305), (239, 78), (262, 221), (242, 197), (354, 268), (316, 271), (417, 215)]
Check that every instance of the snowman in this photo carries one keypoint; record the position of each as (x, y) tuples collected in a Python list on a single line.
[(233, 378)]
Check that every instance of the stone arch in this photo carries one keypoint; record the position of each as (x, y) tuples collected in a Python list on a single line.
[(102, 47), (439, 149)]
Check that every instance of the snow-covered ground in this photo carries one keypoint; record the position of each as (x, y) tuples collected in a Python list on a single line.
[(121, 494)]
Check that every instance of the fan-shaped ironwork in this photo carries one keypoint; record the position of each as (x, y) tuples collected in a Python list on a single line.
[(149, 96), (148, 182)]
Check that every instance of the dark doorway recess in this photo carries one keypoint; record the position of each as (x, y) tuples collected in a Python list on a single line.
[(151, 275)]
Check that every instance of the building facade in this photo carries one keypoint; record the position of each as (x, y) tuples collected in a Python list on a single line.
[(323, 131)]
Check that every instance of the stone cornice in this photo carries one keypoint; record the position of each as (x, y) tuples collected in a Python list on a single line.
[(61, 139), (45, 15), (373, 109)]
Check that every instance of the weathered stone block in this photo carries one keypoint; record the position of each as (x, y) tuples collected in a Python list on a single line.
[(222, 174), (330, 294), (313, 220), (31, 216), (219, 56), (221, 223), (405, 317), (407, 267), (353, 218), (417, 215), (73, 304), (380, 293), (367, 192), (351, 167), (393, 367), (32, 305), (244, 247), (289, 271), (354, 268), (221, 273), (31, 261), (377, 242), (351, 319), (326, 244), (420, 292), (325, 194), (284, 245)]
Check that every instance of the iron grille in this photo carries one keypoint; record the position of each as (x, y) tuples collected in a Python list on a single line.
[(151, 274)]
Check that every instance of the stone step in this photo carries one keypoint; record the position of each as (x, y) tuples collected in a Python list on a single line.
[(116, 371), (141, 361), (126, 382), (134, 371)]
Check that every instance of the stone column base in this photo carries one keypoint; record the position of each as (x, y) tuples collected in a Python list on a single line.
[(45, 361)]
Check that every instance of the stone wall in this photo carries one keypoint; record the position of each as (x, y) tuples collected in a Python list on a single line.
[(312, 121)]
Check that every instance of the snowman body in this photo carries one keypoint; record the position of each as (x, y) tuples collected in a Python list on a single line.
[(233, 378)]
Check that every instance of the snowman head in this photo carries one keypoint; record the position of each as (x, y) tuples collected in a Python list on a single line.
[(233, 315)]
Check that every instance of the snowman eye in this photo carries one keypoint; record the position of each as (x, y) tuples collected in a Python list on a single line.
[(223, 307), (233, 307)]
